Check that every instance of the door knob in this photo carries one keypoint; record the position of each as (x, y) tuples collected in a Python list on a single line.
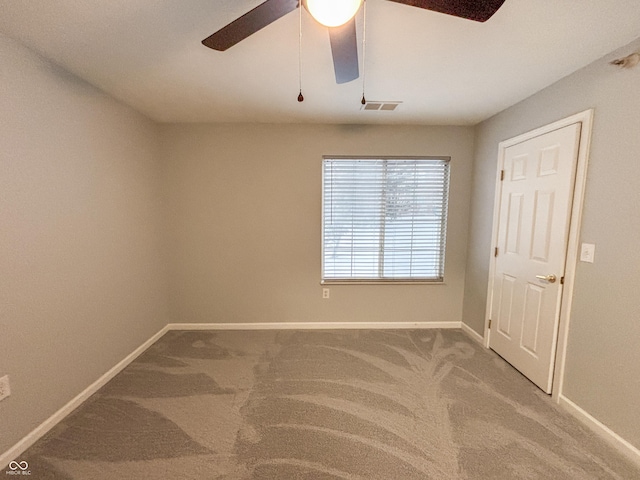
[(549, 278)]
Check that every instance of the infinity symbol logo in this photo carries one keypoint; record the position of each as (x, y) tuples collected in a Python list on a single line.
[(21, 465)]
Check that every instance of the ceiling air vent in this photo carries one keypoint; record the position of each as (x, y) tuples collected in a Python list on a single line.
[(375, 105)]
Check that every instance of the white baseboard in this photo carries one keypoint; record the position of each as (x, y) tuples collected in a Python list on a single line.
[(20, 447), (37, 433), (611, 437), (472, 333), (312, 325), (14, 452)]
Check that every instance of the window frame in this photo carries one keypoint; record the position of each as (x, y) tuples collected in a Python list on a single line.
[(386, 280)]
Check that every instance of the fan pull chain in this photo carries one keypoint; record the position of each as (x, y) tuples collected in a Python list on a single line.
[(364, 47), (300, 96)]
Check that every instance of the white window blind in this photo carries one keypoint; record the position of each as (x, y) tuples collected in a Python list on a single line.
[(384, 219)]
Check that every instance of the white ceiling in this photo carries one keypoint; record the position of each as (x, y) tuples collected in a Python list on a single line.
[(445, 70)]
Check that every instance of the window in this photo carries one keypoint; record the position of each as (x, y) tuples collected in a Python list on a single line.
[(384, 219)]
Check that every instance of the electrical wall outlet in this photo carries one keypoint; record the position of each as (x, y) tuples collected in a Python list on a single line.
[(326, 293), (5, 391)]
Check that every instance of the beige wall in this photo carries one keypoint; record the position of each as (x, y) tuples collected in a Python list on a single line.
[(245, 216), (81, 284), (603, 358)]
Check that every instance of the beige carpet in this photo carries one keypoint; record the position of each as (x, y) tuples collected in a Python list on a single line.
[(366, 404)]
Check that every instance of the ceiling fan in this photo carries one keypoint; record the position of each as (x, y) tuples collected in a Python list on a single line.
[(344, 47)]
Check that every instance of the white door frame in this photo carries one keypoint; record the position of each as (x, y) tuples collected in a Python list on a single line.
[(586, 118)]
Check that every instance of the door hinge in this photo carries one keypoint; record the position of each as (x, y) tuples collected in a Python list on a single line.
[(495, 252), (489, 323), (501, 175)]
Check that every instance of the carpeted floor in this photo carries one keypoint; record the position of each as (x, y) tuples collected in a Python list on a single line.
[(362, 404)]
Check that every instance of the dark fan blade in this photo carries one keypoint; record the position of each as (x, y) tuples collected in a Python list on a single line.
[(249, 23), (344, 48), (478, 10)]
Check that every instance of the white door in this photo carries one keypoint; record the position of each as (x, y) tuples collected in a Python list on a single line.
[(533, 227)]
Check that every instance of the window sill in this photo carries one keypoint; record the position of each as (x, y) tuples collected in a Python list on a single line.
[(382, 282)]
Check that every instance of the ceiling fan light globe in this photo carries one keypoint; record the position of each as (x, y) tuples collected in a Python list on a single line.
[(333, 13)]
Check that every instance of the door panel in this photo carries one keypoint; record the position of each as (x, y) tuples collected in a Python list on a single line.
[(543, 218), (506, 304), (535, 207), (531, 318), (512, 242)]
